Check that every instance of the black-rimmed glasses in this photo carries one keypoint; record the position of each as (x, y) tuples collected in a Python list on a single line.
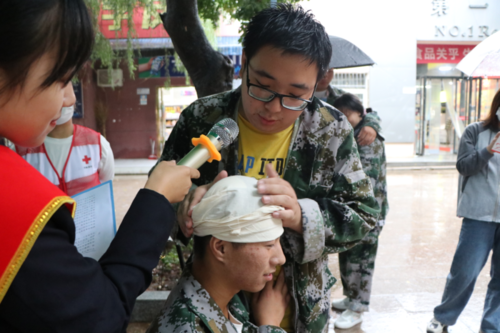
[(265, 95)]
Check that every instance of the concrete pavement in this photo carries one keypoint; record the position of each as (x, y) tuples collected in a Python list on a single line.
[(414, 257)]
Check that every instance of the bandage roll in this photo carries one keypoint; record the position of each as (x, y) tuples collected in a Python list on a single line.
[(232, 211)]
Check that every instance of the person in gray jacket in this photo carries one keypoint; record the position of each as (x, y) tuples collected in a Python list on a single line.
[(479, 205)]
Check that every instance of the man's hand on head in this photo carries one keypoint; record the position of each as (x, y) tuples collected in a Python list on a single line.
[(279, 192), (185, 210), (366, 136)]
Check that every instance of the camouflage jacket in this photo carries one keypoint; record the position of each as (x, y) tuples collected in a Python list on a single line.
[(334, 193), (189, 308), (333, 94), (374, 165), (371, 119)]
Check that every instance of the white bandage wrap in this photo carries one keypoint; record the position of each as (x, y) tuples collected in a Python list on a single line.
[(232, 211)]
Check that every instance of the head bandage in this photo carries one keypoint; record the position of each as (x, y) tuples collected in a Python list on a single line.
[(232, 211)]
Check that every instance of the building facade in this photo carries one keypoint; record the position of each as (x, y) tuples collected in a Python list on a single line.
[(136, 112), (410, 40), (415, 44)]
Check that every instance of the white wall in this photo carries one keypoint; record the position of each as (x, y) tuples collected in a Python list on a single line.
[(385, 30), (388, 30), (463, 21)]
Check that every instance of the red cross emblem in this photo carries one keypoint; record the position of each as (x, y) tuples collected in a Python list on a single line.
[(86, 159)]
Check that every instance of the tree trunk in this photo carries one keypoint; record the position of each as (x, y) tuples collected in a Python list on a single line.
[(210, 71)]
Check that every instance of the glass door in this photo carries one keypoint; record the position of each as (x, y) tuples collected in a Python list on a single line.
[(432, 115), (445, 106), (419, 117)]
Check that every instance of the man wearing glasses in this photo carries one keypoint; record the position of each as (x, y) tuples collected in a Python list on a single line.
[(306, 149)]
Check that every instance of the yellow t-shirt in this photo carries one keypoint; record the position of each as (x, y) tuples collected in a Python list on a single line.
[(256, 149)]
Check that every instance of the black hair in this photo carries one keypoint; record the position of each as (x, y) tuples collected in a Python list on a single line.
[(291, 29), (31, 28), (491, 119), (200, 245), (349, 101)]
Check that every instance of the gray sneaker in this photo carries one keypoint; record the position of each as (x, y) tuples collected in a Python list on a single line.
[(435, 326)]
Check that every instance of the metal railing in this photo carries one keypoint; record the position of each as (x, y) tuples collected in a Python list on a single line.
[(349, 80)]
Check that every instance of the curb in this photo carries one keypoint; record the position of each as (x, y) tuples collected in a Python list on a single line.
[(128, 167), (422, 168), (148, 305), (448, 165), (421, 164)]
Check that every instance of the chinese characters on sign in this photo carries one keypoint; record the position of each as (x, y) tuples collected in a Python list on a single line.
[(441, 12), (147, 22), (448, 54), (439, 7)]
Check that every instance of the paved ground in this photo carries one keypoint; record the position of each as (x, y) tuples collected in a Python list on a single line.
[(415, 253)]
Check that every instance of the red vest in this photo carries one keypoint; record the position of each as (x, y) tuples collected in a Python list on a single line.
[(81, 168), (27, 201)]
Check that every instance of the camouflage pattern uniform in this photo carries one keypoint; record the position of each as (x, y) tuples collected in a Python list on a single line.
[(357, 264), (323, 166), (371, 119), (333, 94), (189, 308)]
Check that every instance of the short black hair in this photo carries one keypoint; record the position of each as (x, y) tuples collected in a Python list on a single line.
[(291, 29), (31, 28), (349, 101), (200, 244)]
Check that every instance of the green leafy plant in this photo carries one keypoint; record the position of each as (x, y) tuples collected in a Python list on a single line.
[(169, 257)]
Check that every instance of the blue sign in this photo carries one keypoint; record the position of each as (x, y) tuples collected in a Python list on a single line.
[(77, 87)]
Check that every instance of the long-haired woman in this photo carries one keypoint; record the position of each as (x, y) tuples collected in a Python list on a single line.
[(479, 205)]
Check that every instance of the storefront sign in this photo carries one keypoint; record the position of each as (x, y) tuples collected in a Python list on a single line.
[(439, 7), (480, 31), (445, 54), (162, 66), (457, 20), (158, 67), (147, 23)]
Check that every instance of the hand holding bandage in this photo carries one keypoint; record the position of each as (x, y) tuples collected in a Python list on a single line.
[(277, 191), (185, 210), (232, 211)]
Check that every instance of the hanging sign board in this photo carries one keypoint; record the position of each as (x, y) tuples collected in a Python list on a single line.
[(444, 54)]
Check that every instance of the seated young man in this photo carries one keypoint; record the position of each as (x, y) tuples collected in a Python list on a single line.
[(236, 247), (306, 149), (358, 263)]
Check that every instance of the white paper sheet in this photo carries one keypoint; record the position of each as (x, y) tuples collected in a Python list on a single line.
[(95, 220)]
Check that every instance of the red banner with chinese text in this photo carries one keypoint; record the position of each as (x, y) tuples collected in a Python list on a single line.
[(147, 23), (442, 53)]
